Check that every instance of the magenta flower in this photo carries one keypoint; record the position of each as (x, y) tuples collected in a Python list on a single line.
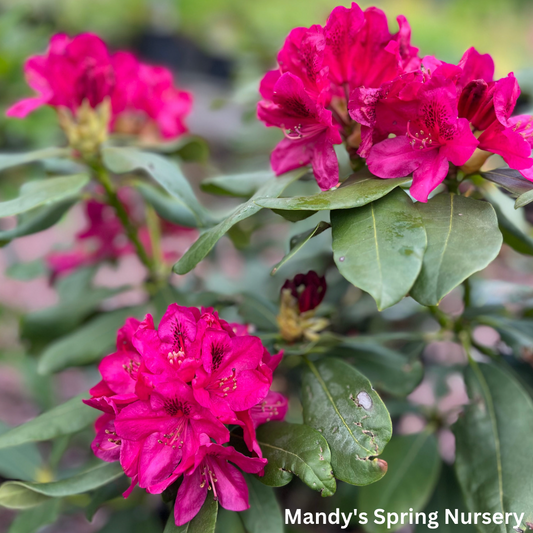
[(212, 471)]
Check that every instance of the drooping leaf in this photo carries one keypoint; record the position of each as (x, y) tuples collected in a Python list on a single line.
[(264, 515), (35, 518), (87, 344), (208, 239), (354, 192), (65, 419), (37, 220), (204, 522), (165, 172), (340, 403), (299, 241), (237, 185), (37, 193), (379, 247), (105, 493), (24, 494), (493, 448), (293, 216), (13, 160), (20, 462), (463, 238), (512, 235), (414, 465), (296, 449), (524, 199), (510, 180)]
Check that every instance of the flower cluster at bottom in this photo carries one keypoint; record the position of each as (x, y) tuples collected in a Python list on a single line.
[(168, 394)]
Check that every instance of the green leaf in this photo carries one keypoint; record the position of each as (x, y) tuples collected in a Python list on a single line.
[(187, 147), (165, 172), (105, 493), (512, 235), (37, 220), (264, 515), (447, 496), (237, 185), (204, 522), (463, 238), (296, 449), (41, 192), (35, 518), (379, 247), (87, 344), (354, 192), (293, 216), (299, 241), (341, 404), (509, 179), (207, 240), (414, 465), (134, 519), (524, 199), (167, 207), (23, 494), (65, 419), (259, 311), (27, 271), (494, 456), (388, 370), (20, 462), (13, 160)]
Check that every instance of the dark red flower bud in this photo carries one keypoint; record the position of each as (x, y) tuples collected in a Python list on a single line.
[(308, 289)]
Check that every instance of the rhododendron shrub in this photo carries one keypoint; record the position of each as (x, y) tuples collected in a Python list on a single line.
[(352, 337)]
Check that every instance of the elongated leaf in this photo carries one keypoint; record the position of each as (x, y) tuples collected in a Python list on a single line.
[(512, 235), (355, 192), (463, 238), (509, 179), (23, 494), (166, 173), (204, 522), (65, 419), (414, 465), (299, 241), (493, 446), (13, 160), (296, 449), (524, 199), (105, 493), (35, 518), (264, 515), (21, 462), (207, 240), (237, 185), (187, 147), (341, 404), (38, 219), (88, 344), (379, 247), (37, 193)]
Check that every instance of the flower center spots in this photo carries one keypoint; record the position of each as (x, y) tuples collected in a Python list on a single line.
[(217, 353), (175, 407), (209, 478), (225, 385), (132, 368), (178, 352)]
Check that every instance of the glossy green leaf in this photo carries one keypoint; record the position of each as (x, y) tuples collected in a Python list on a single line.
[(23, 494), (264, 515), (162, 170), (510, 180), (414, 465), (293, 216), (463, 238), (512, 235), (13, 160), (341, 403), (41, 192), (447, 496), (379, 247), (187, 147), (524, 199), (65, 419), (167, 207), (296, 449), (35, 518), (299, 241), (20, 462), (204, 522), (37, 220), (87, 344), (237, 185), (494, 456), (354, 192), (208, 239)]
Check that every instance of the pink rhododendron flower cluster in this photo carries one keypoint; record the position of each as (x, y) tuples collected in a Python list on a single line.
[(352, 81), (168, 394), (79, 69)]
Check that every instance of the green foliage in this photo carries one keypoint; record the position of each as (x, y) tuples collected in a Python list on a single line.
[(204, 522)]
